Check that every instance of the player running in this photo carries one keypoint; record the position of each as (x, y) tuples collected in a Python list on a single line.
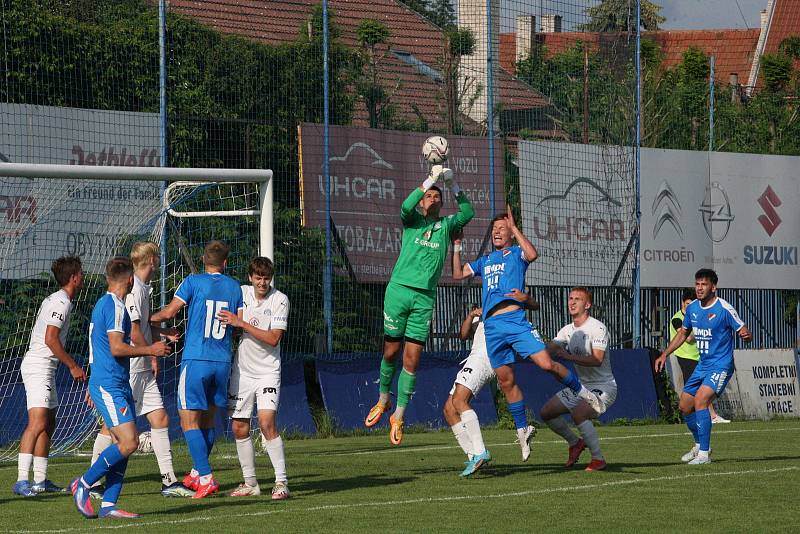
[(256, 376), (508, 332), (144, 370), (206, 362), (110, 389), (713, 321), (584, 342), (38, 372), (411, 292)]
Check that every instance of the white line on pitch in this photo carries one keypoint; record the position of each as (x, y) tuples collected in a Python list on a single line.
[(423, 500)]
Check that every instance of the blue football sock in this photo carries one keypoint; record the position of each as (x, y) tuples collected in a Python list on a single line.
[(572, 382), (517, 410), (209, 434), (114, 479), (704, 429), (107, 459), (198, 450), (691, 422)]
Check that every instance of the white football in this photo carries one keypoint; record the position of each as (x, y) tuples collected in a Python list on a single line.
[(435, 150)]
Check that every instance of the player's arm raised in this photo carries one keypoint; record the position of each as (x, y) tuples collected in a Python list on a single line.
[(459, 271), (469, 324), (53, 342), (270, 337), (120, 349), (680, 337), (527, 247), (465, 210)]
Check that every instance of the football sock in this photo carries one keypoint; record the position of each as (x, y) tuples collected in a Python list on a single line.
[(114, 479), (205, 479), (275, 451), (159, 437), (560, 427), (462, 438), (247, 459), (24, 461), (198, 451), (704, 429), (572, 382), (691, 422), (405, 387), (39, 468), (473, 426), (209, 435), (517, 410), (386, 376), (101, 443), (107, 459), (589, 434)]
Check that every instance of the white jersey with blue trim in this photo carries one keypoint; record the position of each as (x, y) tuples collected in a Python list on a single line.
[(713, 327), (109, 315)]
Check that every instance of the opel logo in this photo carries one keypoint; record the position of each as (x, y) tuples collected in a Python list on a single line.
[(716, 212)]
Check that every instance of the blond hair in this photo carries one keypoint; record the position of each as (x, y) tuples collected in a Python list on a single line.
[(142, 252)]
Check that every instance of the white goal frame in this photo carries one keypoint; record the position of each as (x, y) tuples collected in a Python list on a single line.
[(174, 175)]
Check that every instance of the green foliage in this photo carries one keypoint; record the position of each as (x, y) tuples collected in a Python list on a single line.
[(371, 32), (620, 15), (791, 47), (440, 12), (458, 95), (460, 42), (777, 70)]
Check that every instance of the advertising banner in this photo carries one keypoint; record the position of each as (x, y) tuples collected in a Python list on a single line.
[(371, 173), (43, 219)]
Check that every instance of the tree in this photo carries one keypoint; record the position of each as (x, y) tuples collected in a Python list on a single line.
[(458, 42), (370, 34), (442, 13), (620, 16)]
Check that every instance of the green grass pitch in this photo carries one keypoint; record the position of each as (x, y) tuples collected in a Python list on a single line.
[(363, 484)]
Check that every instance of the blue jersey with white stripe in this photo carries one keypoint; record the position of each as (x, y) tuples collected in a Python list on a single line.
[(206, 295), (502, 271), (109, 315), (714, 328)]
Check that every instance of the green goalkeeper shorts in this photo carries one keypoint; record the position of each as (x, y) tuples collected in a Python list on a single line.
[(407, 312)]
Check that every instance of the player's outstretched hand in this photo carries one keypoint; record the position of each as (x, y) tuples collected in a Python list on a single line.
[(518, 295), (159, 348), (228, 317), (510, 217), (745, 334), (171, 334), (658, 364), (88, 400), (78, 373), (436, 172), (447, 176)]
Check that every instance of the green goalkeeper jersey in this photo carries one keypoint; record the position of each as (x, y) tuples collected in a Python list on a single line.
[(424, 247)]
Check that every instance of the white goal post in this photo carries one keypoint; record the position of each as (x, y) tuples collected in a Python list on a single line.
[(168, 174)]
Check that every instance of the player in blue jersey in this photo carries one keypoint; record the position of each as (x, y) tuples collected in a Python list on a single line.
[(110, 390), (206, 361), (714, 323), (508, 333)]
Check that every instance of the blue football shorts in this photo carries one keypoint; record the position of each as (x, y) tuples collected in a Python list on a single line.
[(716, 376), (115, 403), (510, 336), (203, 383)]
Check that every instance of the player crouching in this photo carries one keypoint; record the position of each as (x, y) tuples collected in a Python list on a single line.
[(584, 342), (256, 376)]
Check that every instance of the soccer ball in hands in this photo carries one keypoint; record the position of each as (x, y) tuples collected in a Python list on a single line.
[(435, 150)]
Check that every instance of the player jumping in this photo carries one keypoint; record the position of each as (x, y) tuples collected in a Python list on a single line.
[(584, 342), (411, 292), (713, 321), (206, 361), (256, 376)]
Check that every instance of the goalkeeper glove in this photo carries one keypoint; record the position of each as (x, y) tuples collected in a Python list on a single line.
[(433, 177), (447, 175)]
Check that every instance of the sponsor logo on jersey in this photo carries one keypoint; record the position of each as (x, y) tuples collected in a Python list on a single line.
[(123, 410), (60, 316), (506, 252), (711, 316), (254, 321), (702, 332), (427, 234)]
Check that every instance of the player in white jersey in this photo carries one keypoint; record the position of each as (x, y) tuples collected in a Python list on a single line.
[(584, 342), (256, 376), (144, 370), (38, 372)]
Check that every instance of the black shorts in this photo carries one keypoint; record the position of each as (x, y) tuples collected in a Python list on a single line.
[(687, 367)]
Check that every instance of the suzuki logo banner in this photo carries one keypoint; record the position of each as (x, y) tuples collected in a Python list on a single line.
[(735, 213), (578, 206), (371, 173)]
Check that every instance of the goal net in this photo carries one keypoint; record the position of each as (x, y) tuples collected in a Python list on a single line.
[(96, 213)]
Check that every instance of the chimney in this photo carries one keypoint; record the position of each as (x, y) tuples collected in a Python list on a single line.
[(526, 27), (734, 83), (473, 72), (551, 23), (764, 19)]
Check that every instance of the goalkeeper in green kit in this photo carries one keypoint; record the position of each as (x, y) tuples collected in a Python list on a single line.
[(411, 292)]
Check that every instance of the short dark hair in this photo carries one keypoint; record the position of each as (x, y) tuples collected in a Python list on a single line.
[(118, 269), (215, 253), (435, 188), (499, 217), (688, 294), (706, 274), (64, 268), (261, 266)]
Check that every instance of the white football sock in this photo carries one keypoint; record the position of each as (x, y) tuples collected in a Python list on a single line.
[(275, 451), (205, 479), (473, 426), (589, 434), (560, 427), (193, 473), (462, 438), (159, 437), (247, 459), (39, 468), (24, 461)]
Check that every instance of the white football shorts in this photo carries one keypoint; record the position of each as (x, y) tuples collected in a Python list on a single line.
[(246, 392), (146, 395), (606, 392), (40, 384), (476, 371)]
